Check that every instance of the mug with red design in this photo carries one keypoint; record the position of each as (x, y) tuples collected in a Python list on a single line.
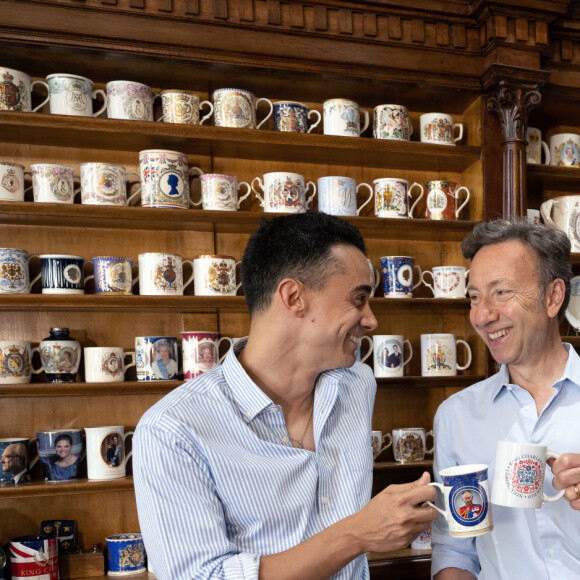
[(448, 281), (443, 200)]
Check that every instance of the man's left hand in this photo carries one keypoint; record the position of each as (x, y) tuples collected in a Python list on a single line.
[(566, 470)]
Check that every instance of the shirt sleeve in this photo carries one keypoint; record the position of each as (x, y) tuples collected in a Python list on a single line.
[(448, 551), (180, 514)]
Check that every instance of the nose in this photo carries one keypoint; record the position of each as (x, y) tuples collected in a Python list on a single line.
[(483, 312), (368, 322)]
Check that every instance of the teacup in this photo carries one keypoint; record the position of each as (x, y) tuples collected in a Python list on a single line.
[(183, 107), (113, 275), (16, 91), (535, 146), (62, 274), (342, 117), (105, 184), (161, 274), (283, 192), (377, 441), (73, 95), (125, 554), (392, 122), (293, 117), (15, 361), (237, 108), (439, 128), (562, 213), (52, 183), (200, 351), (392, 196), (106, 364), (61, 452), (106, 455), (14, 271), (15, 462)]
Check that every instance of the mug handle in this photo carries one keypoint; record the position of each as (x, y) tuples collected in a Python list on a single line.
[(239, 285), (104, 95), (78, 189), (418, 198), (406, 362), (205, 117), (256, 191), (429, 451), (425, 281), (420, 276), (410, 128), (370, 351), (460, 136), (127, 455), (309, 200), (546, 153), (35, 459), (456, 195), (45, 100), (315, 124), (366, 123), (137, 192), (376, 278), (195, 172), (127, 366), (269, 114), (468, 350), (219, 344), (32, 369), (546, 211), (385, 446), (440, 487), (190, 280), (246, 195), (369, 198), (466, 273), (553, 455)]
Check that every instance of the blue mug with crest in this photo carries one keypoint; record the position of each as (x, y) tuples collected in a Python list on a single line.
[(293, 117), (398, 276), (113, 275), (126, 554)]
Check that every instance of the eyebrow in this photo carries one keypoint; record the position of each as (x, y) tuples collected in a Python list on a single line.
[(364, 288), (492, 284)]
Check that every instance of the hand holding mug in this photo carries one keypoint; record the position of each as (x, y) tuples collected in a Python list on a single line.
[(566, 470)]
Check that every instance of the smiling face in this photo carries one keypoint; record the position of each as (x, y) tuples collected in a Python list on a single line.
[(63, 448), (467, 498), (165, 353)]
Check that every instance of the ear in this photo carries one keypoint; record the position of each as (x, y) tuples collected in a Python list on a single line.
[(554, 298), (292, 296)]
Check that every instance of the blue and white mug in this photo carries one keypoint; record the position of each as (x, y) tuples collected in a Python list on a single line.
[(126, 554), (293, 117), (113, 275), (61, 452), (338, 195), (62, 274), (156, 358), (14, 271), (398, 276)]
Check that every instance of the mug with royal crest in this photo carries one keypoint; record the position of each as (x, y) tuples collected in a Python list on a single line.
[(106, 364), (113, 275), (220, 192), (565, 150), (14, 271), (439, 128), (283, 192), (11, 182), (409, 444), (183, 107), (443, 199), (52, 183), (293, 117), (237, 108), (16, 91), (161, 274), (439, 355), (342, 117), (215, 275), (73, 95), (105, 184), (15, 361), (129, 100), (126, 554), (393, 196)]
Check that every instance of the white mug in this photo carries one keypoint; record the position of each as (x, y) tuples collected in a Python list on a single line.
[(105, 184), (237, 108), (219, 192), (410, 444), (392, 122), (342, 117), (215, 275), (535, 146), (106, 457), (439, 355), (73, 95), (183, 107), (53, 183), (16, 91), (129, 100), (377, 441), (283, 192), (11, 181), (518, 478), (562, 212), (161, 274), (565, 150), (422, 541), (369, 342), (106, 364), (392, 197), (388, 355), (448, 281), (337, 195), (439, 128)]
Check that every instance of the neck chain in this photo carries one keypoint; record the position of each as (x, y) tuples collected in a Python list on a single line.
[(299, 442)]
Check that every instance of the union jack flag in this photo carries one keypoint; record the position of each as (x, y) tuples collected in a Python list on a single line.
[(34, 558)]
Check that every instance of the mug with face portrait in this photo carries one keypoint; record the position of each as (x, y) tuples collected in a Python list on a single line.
[(106, 455), (60, 452), (410, 444), (15, 464), (156, 358), (565, 150), (388, 355), (106, 364), (200, 351)]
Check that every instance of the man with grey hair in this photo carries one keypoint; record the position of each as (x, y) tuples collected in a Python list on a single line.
[(519, 287)]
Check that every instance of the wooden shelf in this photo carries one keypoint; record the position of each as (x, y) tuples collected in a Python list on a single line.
[(553, 177), (115, 134), (85, 389), (76, 487), (428, 382), (390, 465)]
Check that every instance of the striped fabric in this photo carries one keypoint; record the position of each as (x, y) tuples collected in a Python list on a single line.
[(218, 482)]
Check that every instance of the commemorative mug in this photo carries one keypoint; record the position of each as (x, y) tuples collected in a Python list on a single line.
[(439, 128), (392, 122), (60, 355), (129, 100), (398, 276), (535, 146), (125, 554), (220, 192), (237, 108), (338, 195), (156, 358), (61, 452), (62, 274), (377, 441), (359, 355), (183, 107), (53, 183), (161, 274), (439, 355), (16, 91), (73, 95), (293, 117), (388, 355), (113, 275), (215, 275), (448, 281), (392, 197), (442, 200), (105, 184), (342, 117), (106, 364), (573, 311), (283, 192), (422, 541), (165, 179), (200, 350), (410, 444), (519, 472), (15, 361), (565, 150), (106, 456), (11, 181), (15, 462), (466, 495), (14, 271), (34, 557), (562, 212)]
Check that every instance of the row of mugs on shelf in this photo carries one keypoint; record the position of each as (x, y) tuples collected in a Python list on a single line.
[(73, 95), (409, 443), (164, 178), (564, 149)]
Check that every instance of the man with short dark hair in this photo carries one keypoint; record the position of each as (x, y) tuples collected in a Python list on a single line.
[(262, 467)]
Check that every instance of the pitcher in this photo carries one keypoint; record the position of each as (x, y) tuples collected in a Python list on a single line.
[(563, 212)]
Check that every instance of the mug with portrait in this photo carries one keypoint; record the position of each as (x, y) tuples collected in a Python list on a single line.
[(61, 452)]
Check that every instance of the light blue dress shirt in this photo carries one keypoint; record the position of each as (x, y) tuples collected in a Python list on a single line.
[(218, 482), (525, 543)]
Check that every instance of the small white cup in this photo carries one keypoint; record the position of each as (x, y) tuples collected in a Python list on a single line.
[(439, 128), (388, 355), (342, 117), (381, 442), (106, 457), (73, 95), (215, 275), (283, 192), (448, 281), (161, 274), (106, 364)]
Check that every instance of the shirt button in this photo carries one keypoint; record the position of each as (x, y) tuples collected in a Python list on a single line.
[(285, 439), (325, 500), (551, 551), (509, 388)]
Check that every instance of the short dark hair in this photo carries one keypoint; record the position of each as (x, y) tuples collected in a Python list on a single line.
[(63, 437), (297, 246), (551, 245)]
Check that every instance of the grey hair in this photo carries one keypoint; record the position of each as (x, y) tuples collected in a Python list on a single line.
[(550, 244)]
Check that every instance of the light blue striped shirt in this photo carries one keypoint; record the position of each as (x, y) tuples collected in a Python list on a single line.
[(218, 482), (543, 544)]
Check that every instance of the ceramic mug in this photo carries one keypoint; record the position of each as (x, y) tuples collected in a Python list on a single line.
[(62, 274), (106, 456), (439, 128), (342, 117), (15, 462), (448, 281), (53, 183), (565, 150), (422, 541), (388, 355), (519, 472), (11, 181), (220, 192), (283, 192), (369, 342), (439, 355), (105, 184), (215, 275), (183, 107), (573, 310), (60, 355), (535, 146), (16, 91), (466, 494), (377, 442), (125, 554), (73, 95), (293, 117), (15, 361), (200, 352), (34, 557), (392, 196), (129, 100), (237, 108), (338, 195), (161, 274), (398, 276), (156, 358), (410, 444), (443, 198), (106, 364), (562, 213), (392, 122), (14, 271), (61, 452), (113, 275)]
